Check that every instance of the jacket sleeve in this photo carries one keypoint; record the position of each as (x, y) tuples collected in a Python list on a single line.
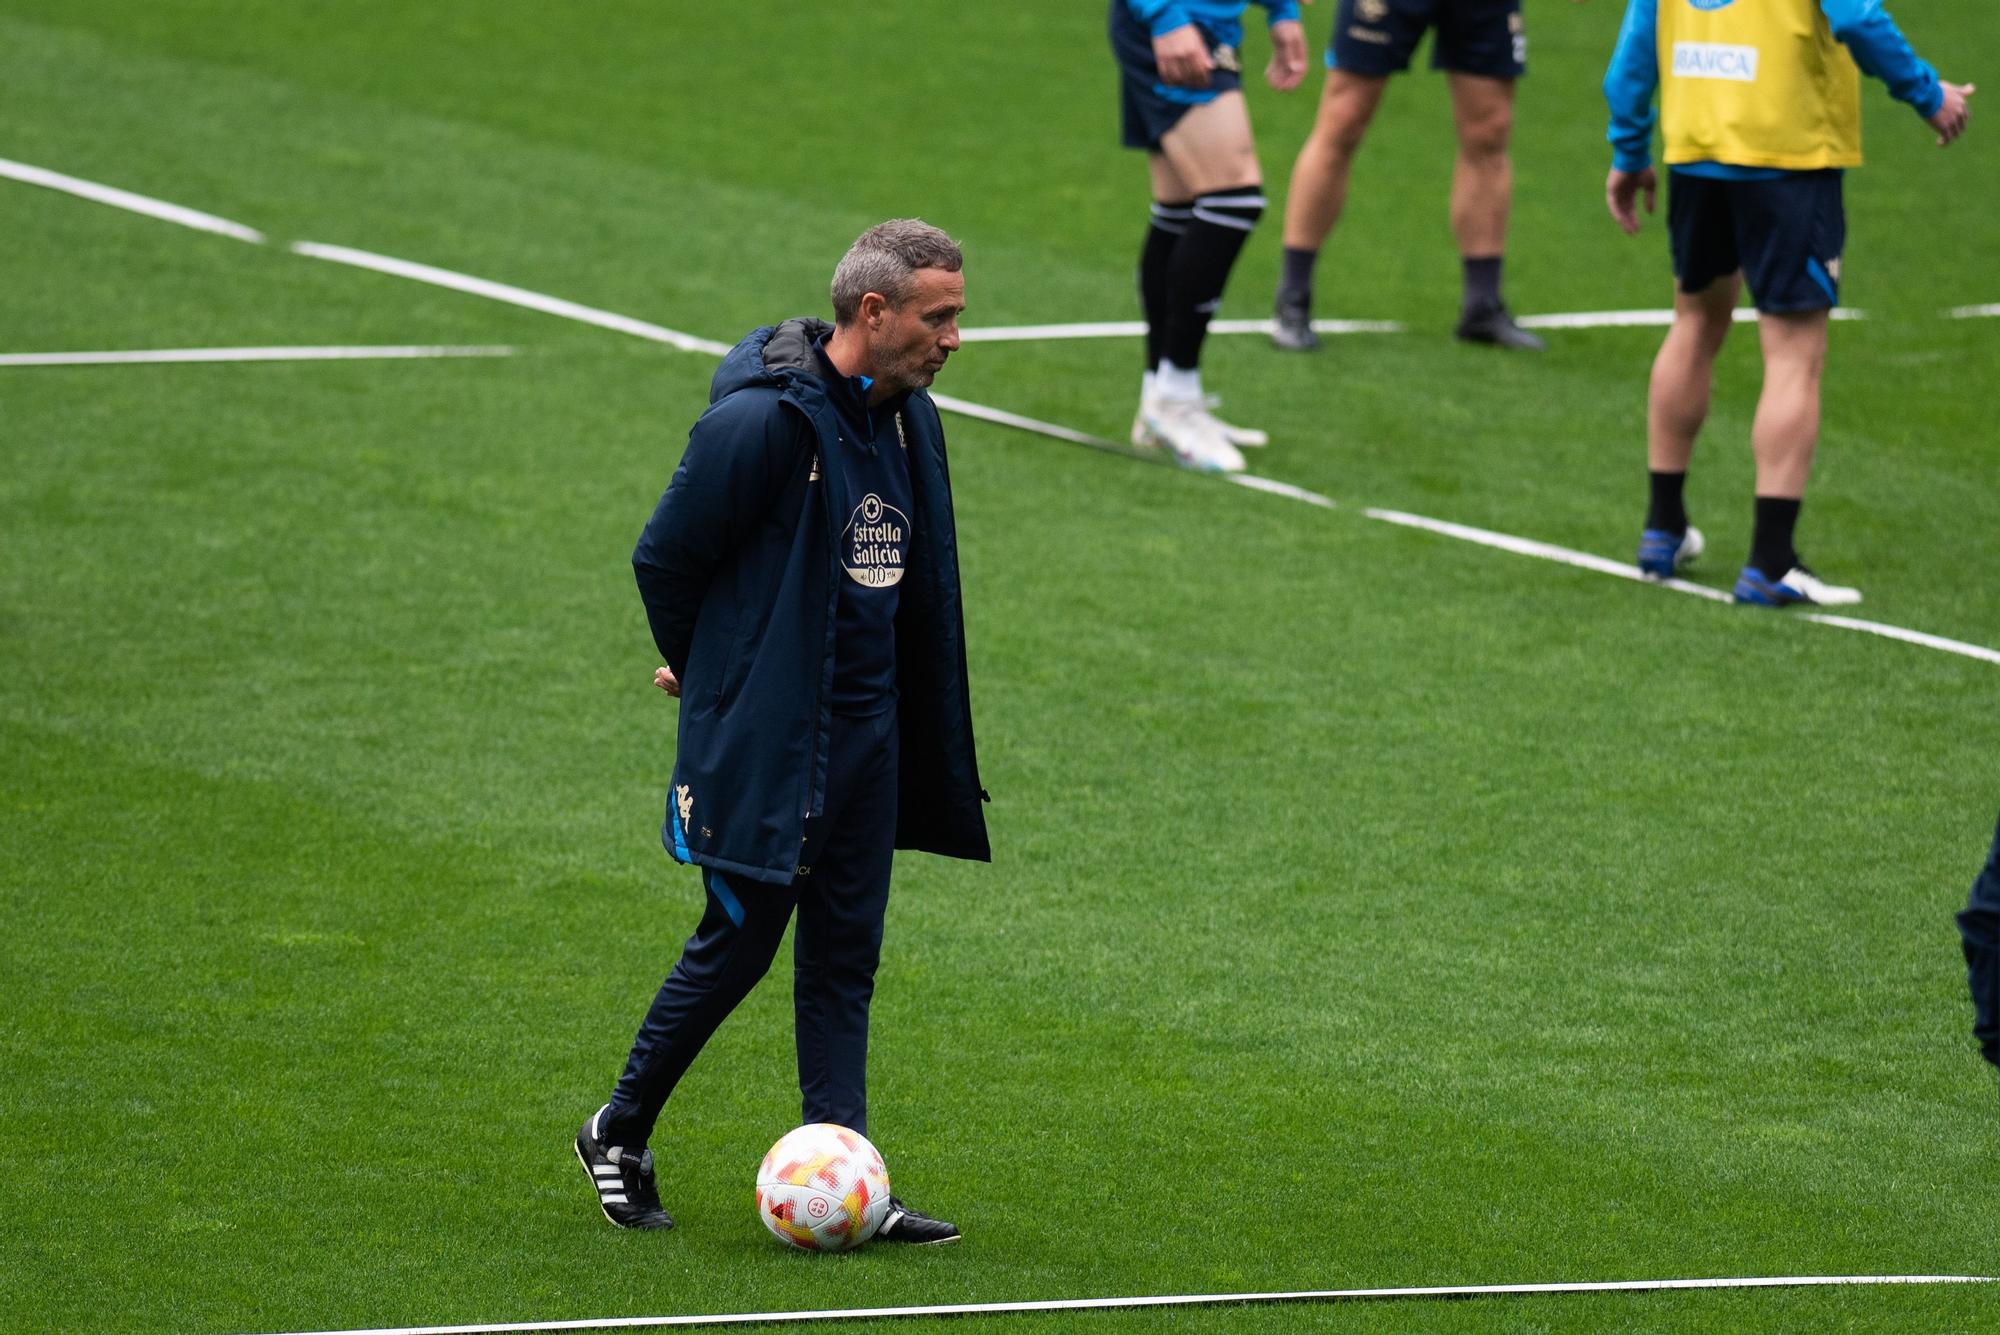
[(1629, 85), (739, 456), (1159, 16), (1880, 49)]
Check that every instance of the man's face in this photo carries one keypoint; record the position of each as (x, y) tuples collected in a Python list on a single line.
[(909, 343)]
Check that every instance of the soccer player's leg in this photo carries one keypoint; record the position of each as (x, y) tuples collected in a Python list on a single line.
[(843, 894), (1790, 232), (1212, 151), (1481, 47), (1152, 109), (838, 942), (1371, 40), (1707, 281), (731, 949), (1172, 211), (1677, 398)]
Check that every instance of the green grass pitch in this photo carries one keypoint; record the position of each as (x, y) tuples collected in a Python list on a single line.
[(1368, 908)]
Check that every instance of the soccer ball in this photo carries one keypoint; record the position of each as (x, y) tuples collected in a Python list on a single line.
[(823, 1188)]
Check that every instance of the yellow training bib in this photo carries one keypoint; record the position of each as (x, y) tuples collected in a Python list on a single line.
[(1757, 83)]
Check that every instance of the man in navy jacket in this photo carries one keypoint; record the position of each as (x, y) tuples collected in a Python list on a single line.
[(1979, 930), (800, 576)]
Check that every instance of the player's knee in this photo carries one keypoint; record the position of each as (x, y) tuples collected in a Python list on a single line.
[(1238, 209), (1711, 329), (1486, 135), (1336, 139), (1706, 322)]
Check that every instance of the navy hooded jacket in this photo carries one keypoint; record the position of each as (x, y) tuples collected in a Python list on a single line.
[(738, 568)]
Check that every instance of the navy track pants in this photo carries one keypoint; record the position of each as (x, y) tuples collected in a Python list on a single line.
[(840, 900), (1979, 926)]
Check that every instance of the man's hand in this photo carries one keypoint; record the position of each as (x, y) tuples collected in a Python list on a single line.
[(1953, 113), (1183, 57), (1288, 55), (1621, 196), (664, 679)]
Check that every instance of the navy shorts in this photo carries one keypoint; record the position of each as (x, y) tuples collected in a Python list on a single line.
[(1376, 38), (1785, 233), (1151, 106)]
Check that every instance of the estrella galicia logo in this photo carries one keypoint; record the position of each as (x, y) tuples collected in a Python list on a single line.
[(1711, 4), (875, 543)]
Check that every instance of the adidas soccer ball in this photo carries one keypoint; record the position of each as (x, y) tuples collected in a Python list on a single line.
[(823, 1188)]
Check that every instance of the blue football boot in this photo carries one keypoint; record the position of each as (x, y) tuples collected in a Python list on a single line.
[(1799, 585), (1662, 554)]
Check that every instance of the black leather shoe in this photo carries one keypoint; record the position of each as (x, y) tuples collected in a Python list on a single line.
[(1495, 325), (906, 1225), (624, 1183)]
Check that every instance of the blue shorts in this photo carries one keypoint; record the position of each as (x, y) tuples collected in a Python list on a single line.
[(1151, 106), (1376, 38), (1785, 233)]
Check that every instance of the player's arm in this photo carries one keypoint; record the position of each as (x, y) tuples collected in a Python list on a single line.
[(739, 456), (1287, 69), (1629, 84), (1880, 49)]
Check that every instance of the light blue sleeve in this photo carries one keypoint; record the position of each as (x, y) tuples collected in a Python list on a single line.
[(1880, 49), (1159, 16), (1281, 10), (1629, 85)]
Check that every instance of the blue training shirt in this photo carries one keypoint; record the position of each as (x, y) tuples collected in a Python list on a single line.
[(1220, 19), (1863, 26)]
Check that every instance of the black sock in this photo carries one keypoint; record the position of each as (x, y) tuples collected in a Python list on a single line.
[(1201, 264), (1170, 221), (1771, 549), (1296, 282), (1666, 511), (1482, 282)]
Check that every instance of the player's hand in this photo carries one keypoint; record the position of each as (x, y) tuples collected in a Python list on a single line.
[(665, 679), (1621, 196), (1183, 57), (1953, 113), (1288, 56)]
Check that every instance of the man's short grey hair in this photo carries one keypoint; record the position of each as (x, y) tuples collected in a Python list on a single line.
[(885, 259)]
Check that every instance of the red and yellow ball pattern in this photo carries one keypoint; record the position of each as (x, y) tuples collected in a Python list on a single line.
[(823, 1188)]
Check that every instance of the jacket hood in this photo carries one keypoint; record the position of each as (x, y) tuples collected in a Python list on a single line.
[(778, 355)]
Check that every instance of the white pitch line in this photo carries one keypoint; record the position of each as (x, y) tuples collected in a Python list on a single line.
[(1603, 565), (1646, 319), (1280, 489), (1561, 320), (1004, 418), (125, 199), (1319, 326), (151, 356), (513, 296), (625, 324), (1547, 551), (1174, 1300), (1973, 312), (1907, 636), (1137, 328)]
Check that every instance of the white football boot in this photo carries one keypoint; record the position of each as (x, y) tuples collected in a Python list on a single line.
[(1800, 585), (1244, 437), (1184, 429)]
